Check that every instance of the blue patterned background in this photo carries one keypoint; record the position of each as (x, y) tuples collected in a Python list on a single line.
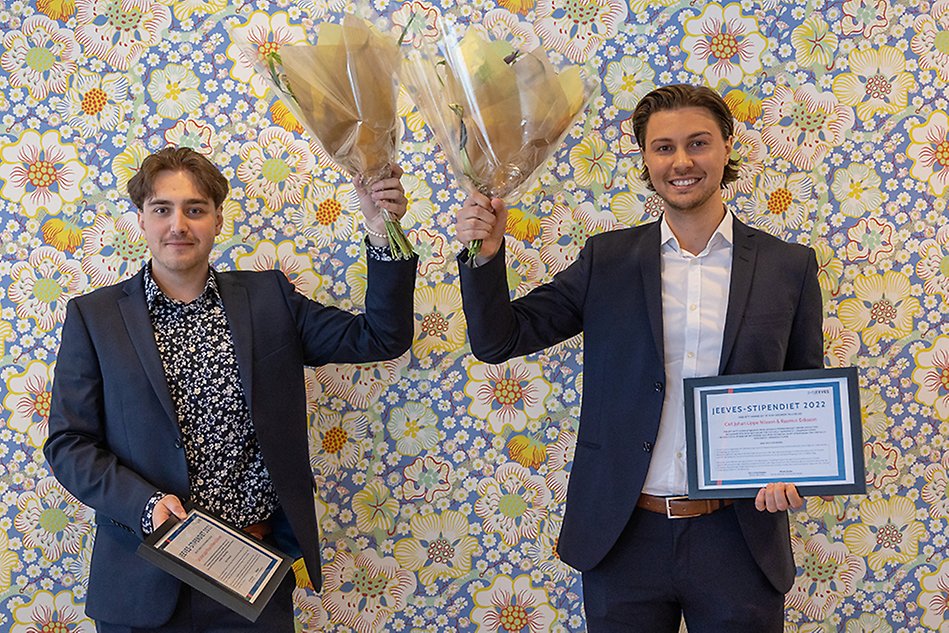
[(443, 479)]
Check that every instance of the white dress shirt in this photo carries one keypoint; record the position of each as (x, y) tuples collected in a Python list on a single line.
[(694, 301)]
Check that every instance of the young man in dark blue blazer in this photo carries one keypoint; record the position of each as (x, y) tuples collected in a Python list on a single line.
[(697, 293), (187, 383)]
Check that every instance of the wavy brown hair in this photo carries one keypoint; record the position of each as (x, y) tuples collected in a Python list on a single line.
[(207, 178)]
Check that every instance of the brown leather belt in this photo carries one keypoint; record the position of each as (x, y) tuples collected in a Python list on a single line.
[(681, 507), (259, 531)]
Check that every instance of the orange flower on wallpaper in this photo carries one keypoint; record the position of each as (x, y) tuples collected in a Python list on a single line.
[(517, 6), (527, 451), (56, 9), (522, 225), (744, 107), (62, 235), (282, 116)]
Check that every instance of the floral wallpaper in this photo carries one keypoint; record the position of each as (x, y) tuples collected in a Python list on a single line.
[(442, 479)]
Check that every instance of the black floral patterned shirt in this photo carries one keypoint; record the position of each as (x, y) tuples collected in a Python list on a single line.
[(225, 466)]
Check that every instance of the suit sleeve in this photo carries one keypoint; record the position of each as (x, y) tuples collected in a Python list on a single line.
[(77, 447), (806, 343), (500, 329), (384, 331)]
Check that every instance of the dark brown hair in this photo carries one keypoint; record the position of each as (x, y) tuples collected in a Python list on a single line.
[(680, 96), (207, 178)]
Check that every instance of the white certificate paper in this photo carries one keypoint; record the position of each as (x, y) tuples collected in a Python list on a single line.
[(233, 559), (797, 427)]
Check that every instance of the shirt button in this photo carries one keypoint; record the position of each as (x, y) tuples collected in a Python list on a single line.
[(658, 386), (691, 354), (693, 307), (647, 447), (678, 454)]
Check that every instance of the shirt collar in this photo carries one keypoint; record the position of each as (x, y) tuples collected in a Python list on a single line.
[(723, 236), (154, 294)]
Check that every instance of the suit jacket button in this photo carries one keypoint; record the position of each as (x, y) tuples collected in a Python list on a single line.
[(647, 446), (658, 386), (178, 442)]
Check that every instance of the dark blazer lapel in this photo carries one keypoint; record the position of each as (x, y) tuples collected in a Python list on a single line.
[(237, 307), (744, 252), (138, 325), (651, 268)]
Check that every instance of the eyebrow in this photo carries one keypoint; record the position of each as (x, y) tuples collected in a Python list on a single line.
[(691, 136), (155, 202)]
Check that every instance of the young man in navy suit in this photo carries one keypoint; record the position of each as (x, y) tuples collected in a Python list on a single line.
[(187, 383), (697, 293)]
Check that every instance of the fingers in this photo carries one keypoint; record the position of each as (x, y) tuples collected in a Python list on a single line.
[(778, 497), (166, 507)]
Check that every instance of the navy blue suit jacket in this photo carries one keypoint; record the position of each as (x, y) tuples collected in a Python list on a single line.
[(612, 294), (114, 438)]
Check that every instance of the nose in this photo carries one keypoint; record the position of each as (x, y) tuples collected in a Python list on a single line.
[(682, 160), (179, 222)]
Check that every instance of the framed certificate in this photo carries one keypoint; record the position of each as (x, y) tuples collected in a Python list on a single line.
[(801, 427), (218, 559)]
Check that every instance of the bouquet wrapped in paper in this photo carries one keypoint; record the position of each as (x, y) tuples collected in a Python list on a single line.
[(498, 113), (343, 90)]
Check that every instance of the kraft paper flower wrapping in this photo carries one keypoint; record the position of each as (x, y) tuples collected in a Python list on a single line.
[(497, 113), (343, 89)]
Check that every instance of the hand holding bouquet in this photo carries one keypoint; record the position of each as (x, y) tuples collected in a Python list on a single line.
[(343, 89), (498, 113)]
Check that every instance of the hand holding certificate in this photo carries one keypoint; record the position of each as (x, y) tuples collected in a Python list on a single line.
[(219, 560), (746, 432)]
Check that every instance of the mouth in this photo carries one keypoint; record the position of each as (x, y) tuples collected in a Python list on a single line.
[(684, 182)]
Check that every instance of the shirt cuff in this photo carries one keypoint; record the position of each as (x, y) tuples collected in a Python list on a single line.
[(149, 512), (379, 253)]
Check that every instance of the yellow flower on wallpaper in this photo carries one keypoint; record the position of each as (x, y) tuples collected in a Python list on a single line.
[(184, 9), (281, 115), (418, 194), (814, 43), (883, 308), (376, 508), (29, 394), (63, 235), (744, 107), (877, 84), (522, 224), (513, 604), (873, 412), (439, 320), (829, 267), (829, 573), (56, 9), (507, 395), (440, 546), (888, 532), (931, 376), (8, 561), (126, 164), (592, 161), (526, 450), (517, 6)]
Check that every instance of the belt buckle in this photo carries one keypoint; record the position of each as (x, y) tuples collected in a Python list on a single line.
[(669, 514)]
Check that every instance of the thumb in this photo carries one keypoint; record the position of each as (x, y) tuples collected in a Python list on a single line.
[(175, 506)]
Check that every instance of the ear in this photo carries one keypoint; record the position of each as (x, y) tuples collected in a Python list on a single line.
[(218, 220), (141, 220), (729, 146)]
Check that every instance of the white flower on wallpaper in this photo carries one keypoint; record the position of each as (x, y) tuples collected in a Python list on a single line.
[(41, 173), (513, 503), (865, 17), (95, 101), (883, 308), (870, 239), (337, 440), (507, 395), (723, 45), (929, 39), (43, 285), (829, 573), (751, 153), (39, 56), (513, 604), (120, 31), (360, 384), (297, 267), (414, 427), (29, 394), (175, 90), (933, 264), (192, 133), (932, 597), (503, 24), (427, 478), (328, 214), (48, 612), (780, 201), (113, 248), (856, 188), (439, 320), (52, 520), (577, 28), (565, 230), (929, 151), (276, 167), (629, 79), (253, 40), (802, 125), (363, 591)]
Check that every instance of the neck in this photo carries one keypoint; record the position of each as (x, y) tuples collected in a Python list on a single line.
[(694, 230), (181, 287)]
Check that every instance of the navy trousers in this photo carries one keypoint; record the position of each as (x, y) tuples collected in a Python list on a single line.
[(662, 570)]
